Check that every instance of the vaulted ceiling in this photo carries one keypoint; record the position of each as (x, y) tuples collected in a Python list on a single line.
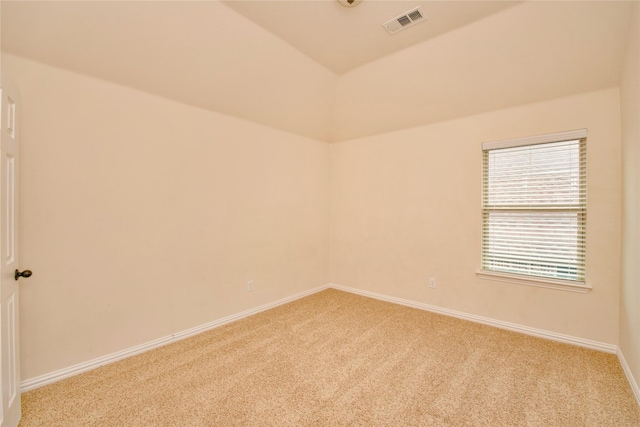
[(316, 68), (342, 38)]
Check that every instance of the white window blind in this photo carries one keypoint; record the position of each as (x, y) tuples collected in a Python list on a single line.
[(535, 206)]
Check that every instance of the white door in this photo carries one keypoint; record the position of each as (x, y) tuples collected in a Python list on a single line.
[(9, 342)]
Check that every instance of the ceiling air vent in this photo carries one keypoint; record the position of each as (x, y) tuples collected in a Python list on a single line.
[(405, 20)]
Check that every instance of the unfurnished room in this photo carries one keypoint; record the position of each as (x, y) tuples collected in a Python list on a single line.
[(320, 213)]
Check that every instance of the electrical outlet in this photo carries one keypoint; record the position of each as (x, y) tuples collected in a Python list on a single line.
[(432, 282), (250, 285)]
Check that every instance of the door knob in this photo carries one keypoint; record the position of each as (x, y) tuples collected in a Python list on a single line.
[(25, 274)]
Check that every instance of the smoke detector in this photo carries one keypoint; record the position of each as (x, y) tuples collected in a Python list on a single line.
[(349, 3), (405, 20)]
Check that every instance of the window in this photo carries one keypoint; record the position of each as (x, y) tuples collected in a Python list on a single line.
[(534, 209)]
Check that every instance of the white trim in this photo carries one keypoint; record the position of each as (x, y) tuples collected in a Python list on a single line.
[(58, 375), (541, 333), (61, 374), (540, 282), (538, 139), (629, 374)]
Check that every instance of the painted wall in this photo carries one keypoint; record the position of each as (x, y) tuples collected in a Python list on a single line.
[(630, 285), (141, 217), (406, 206)]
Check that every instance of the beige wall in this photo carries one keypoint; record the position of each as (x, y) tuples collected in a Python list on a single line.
[(142, 217), (406, 207), (630, 288)]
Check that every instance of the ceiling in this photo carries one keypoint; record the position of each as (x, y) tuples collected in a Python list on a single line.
[(318, 69), (342, 38)]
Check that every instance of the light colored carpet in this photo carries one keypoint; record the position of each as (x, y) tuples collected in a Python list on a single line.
[(335, 358)]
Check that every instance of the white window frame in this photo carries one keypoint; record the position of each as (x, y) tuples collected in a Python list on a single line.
[(539, 281)]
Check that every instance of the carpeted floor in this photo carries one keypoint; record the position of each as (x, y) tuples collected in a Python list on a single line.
[(338, 359)]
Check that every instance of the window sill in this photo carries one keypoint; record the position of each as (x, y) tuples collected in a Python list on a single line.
[(563, 285)]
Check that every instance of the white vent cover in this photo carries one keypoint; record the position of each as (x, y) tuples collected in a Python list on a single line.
[(405, 20)]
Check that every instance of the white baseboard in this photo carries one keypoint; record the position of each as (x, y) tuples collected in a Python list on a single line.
[(58, 375), (568, 339), (629, 374)]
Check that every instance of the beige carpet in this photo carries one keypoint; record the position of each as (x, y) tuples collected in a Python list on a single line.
[(335, 358)]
